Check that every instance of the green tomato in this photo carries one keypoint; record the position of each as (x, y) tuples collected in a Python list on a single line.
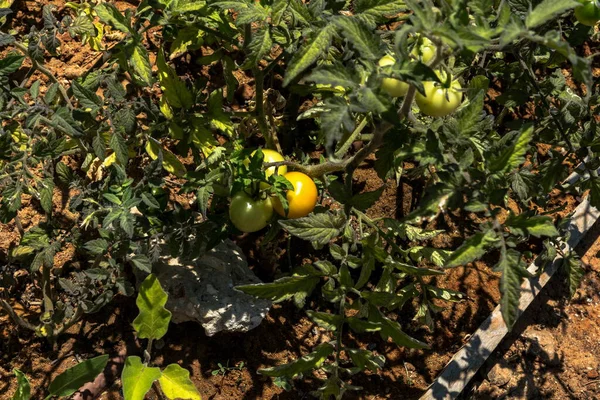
[(249, 215), (439, 101), (392, 86), (424, 50), (588, 13), (162, 196)]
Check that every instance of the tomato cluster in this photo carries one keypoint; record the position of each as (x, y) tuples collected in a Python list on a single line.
[(250, 213)]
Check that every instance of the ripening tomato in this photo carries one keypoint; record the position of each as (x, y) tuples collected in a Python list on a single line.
[(272, 156), (392, 86), (302, 200), (424, 50), (438, 100), (248, 214), (588, 13)]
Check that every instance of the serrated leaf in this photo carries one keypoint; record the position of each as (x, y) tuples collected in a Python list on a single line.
[(537, 226), (10, 64), (318, 228), (513, 270), (393, 330), (23, 391), (309, 53), (73, 378), (259, 46), (575, 272), (109, 14), (365, 359), (153, 320), (142, 263), (325, 320), (254, 12), (150, 200), (137, 378), (174, 89), (513, 155), (170, 162), (472, 249), (336, 120), (46, 192), (296, 287), (184, 6), (379, 9), (366, 43), (140, 62), (187, 39), (97, 246), (301, 365), (6, 39), (119, 145), (87, 99), (547, 10), (335, 75), (176, 384)]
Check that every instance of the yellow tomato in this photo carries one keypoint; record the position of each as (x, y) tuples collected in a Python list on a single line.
[(302, 200), (272, 156)]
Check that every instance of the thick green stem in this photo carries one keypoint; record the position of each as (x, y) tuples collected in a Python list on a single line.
[(353, 136)]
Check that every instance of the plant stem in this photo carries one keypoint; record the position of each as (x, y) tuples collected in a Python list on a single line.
[(46, 72), (346, 145), (13, 315)]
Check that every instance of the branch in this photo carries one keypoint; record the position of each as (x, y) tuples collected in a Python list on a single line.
[(13, 315)]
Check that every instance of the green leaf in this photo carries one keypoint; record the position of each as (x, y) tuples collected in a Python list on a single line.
[(109, 14), (513, 270), (112, 198), (253, 13), (118, 143), (142, 263), (187, 39), (335, 74), (176, 384), (140, 62), (325, 320), (309, 53), (184, 6), (46, 191), (575, 272), (137, 378), (259, 46), (296, 287), (361, 326), (153, 320), (365, 359), (392, 329), (170, 162), (23, 391), (72, 379), (174, 89), (318, 228), (150, 200), (547, 10), (96, 246), (414, 271), (87, 99), (10, 64), (379, 9), (513, 155), (537, 226), (336, 120), (472, 249), (366, 43), (365, 200), (301, 365)]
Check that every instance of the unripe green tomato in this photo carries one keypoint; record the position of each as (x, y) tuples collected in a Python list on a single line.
[(439, 101), (392, 86), (161, 196), (248, 214), (588, 13), (424, 50)]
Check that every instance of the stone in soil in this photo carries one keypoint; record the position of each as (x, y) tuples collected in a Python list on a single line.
[(204, 291)]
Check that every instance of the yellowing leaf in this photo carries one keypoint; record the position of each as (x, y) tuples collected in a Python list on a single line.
[(203, 139), (170, 162), (165, 108), (173, 88), (95, 42), (176, 384)]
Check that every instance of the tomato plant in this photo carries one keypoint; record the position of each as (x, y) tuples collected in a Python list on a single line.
[(185, 91), (301, 200), (248, 214)]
